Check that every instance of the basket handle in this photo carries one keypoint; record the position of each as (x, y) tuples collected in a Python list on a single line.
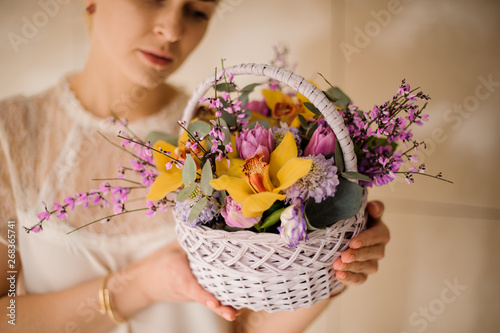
[(299, 84)]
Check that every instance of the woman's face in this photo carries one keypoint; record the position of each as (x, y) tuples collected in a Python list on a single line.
[(147, 40)]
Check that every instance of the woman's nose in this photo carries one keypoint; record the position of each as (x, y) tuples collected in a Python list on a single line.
[(170, 26)]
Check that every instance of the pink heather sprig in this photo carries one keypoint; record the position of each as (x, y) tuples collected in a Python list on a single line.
[(105, 196)]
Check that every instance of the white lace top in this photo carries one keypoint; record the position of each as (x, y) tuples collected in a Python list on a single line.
[(50, 148)]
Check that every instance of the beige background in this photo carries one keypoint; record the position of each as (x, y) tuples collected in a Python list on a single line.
[(442, 235)]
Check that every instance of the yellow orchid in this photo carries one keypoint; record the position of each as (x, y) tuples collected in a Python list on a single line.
[(257, 185), (169, 179), (285, 107)]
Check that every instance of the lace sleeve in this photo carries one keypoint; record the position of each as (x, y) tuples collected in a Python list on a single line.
[(7, 201)]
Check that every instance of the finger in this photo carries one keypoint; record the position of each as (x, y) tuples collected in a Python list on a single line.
[(365, 253), (378, 233), (207, 299), (365, 267), (375, 209), (349, 278)]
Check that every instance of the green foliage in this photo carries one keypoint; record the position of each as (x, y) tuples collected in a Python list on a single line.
[(346, 203), (186, 192), (189, 170), (156, 136), (206, 177)]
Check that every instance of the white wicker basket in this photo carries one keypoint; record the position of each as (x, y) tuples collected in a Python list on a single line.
[(259, 271)]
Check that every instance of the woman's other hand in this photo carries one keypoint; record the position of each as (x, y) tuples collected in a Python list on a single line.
[(365, 249)]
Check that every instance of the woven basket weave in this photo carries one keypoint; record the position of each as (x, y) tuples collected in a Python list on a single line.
[(259, 271)]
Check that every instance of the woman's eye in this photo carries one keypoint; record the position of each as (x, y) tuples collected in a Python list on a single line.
[(198, 14)]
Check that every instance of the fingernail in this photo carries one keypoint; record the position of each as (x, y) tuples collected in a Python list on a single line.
[(227, 316), (341, 275), (211, 304), (357, 244), (352, 257)]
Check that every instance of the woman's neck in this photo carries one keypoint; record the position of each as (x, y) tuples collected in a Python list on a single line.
[(104, 93)]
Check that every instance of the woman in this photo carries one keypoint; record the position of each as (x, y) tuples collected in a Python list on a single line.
[(50, 148)]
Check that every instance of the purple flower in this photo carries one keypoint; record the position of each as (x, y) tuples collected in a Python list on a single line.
[(234, 217), (322, 140), (293, 224), (70, 202), (258, 140), (258, 107)]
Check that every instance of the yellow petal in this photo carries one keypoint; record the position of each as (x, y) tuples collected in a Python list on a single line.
[(272, 97), (165, 183), (256, 204), (286, 150), (235, 167), (161, 159), (237, 188), (292, 171)]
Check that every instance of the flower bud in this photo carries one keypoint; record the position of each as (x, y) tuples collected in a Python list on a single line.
[(322, 140), (234, 217), (293, 224), (258, 140)]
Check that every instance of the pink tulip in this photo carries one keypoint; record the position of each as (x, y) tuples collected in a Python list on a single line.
[(258, 140), (322, 140), (234, 217)]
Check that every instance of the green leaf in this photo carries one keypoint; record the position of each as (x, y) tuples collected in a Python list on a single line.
[(272, 219), (341, 99), (197, 209), (228, 87), (312, 108), (225, 130), (206, 177), (249, 88), (189, 170), (355, 175), (201, 127), (339, 157), (303, 121), (309, 226), (329, 96), (186, 192), (156, 136), (346, 203)]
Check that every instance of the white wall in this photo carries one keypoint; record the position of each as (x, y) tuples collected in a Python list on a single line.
[(441, 233)]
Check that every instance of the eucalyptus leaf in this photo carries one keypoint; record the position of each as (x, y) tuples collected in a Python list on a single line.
[(339, 157), (228, 118), (355, 175), (249, 88), (329, 96), (206, 177), (197, 209), (225, 130), (309, 226), (186, 192), (201, 127), (228, 87), (189, 170), (312, 108), (156, 136), (303, 121), (341, 99), (346, 203)]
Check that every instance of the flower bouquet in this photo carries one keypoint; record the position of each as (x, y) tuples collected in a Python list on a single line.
[(267, 193)]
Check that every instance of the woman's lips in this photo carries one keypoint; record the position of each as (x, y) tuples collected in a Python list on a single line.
[(156, 59)]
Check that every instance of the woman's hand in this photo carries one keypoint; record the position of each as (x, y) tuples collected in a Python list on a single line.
[(166, 276), (365, 249)]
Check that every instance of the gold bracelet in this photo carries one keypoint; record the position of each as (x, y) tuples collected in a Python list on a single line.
[(105, 301)]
